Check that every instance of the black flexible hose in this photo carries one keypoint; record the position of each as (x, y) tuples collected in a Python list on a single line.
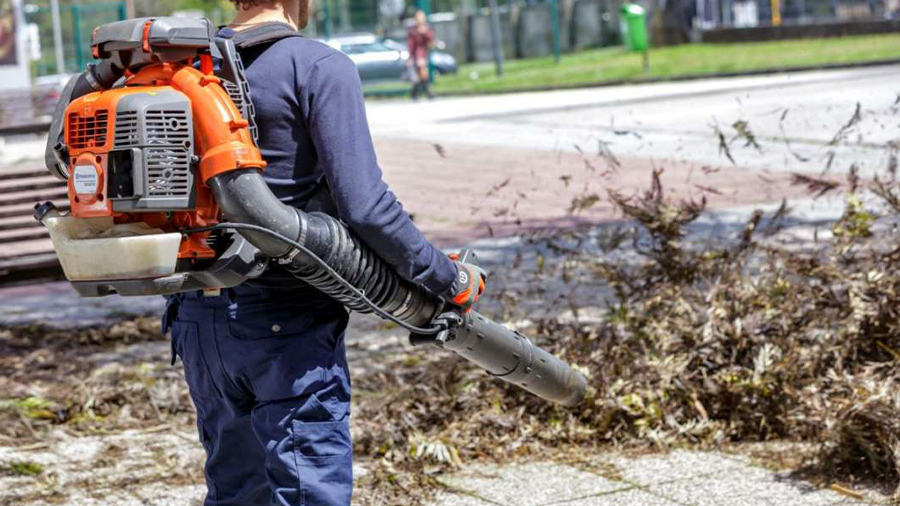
[(353, 297), (320, 250), (505, 354), (244, 197)]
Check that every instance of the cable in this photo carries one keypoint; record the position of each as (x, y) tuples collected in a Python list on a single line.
[(435, 329)]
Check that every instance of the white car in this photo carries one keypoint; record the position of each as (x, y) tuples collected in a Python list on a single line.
[(380, 59)]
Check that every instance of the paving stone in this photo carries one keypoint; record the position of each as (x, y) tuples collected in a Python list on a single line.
[(674, 466), (629, 497), (747, 486), (531, 484), (451, 499)]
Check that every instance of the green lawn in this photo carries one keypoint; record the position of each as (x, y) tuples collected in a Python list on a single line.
[(615, 64)]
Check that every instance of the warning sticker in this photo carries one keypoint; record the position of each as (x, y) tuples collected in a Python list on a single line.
[(85, 179)]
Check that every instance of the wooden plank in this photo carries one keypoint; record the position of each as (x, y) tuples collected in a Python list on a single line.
[(19, 222), (27, 209), (25, 248), (29, 183), (42, 258), (30, 270), (27, 234), (34, 196), (17, 171)]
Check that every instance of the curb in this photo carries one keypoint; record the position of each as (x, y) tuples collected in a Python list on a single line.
[(650, 80)]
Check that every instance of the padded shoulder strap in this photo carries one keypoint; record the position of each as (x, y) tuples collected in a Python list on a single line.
[(264, 33)]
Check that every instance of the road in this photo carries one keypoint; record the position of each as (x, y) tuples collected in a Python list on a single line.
[(538, 138), (674, 121)]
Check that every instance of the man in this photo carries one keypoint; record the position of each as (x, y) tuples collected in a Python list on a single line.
[(7, 34), (419, 42), (265, 361)]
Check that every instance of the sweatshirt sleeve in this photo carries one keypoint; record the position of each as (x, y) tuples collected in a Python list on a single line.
[(336, 116)]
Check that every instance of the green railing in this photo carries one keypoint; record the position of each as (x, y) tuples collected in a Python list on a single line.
[(334, 17), (77, 21)]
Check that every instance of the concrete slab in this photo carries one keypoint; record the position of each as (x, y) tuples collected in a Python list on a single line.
[(676, 466), (634, 496), (748, 486), (678, 478), (532, 484), (452, 499)]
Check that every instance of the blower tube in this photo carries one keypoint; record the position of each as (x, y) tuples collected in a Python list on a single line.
[(244, 197)]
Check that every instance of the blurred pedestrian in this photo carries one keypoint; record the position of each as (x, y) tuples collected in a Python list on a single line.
[(420, 41), (892, 9), (7, 35)]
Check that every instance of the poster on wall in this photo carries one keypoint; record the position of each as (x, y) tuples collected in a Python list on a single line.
[(7, 33)]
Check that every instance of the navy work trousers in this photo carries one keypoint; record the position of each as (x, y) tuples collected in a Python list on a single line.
[(267, 372)]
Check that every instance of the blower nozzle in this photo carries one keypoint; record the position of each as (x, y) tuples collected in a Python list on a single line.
[(510, 356)]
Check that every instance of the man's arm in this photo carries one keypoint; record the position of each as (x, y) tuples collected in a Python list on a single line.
[(411, 44), (340, 132)]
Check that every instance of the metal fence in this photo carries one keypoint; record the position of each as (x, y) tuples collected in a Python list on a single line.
[(712, 14), (344, 16), (333, 17), (77, 21), (680, 17)]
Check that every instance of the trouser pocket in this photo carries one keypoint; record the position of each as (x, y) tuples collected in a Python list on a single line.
[(186, 344), (324, 456), (208, 446), (168, 318)]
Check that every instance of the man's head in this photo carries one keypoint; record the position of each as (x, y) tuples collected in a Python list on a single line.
[(297, 11), (420, 18)]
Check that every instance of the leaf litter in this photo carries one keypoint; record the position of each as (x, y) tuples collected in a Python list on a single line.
[(704, 344)]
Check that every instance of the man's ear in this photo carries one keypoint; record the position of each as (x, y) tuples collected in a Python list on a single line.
[(304, 11)]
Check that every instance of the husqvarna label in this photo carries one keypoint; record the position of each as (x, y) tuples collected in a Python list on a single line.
[(85, 179)]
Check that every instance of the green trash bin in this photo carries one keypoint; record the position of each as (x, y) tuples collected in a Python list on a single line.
[(634, 27)]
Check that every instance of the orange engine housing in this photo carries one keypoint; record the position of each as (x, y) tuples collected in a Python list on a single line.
[(100, 167)]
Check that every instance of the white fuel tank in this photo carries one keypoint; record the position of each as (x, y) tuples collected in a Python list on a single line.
[(96, 249)]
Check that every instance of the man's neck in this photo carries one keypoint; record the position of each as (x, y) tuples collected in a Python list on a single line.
[(262, 14)]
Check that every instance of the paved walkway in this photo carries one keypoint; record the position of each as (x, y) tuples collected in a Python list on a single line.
[(160, 467), (796, 118), (681, 478)]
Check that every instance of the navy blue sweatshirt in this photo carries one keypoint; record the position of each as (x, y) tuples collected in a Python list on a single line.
[(312, 127)]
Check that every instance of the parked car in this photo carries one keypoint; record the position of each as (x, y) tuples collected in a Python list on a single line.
[(380, 59), (46, 91)]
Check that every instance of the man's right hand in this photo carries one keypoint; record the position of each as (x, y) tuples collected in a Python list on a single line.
[(468, 285)]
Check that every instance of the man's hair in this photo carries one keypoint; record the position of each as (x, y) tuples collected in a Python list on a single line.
[(246, 4)]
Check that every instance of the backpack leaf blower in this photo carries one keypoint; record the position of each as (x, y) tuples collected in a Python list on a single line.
[(157, 144)]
